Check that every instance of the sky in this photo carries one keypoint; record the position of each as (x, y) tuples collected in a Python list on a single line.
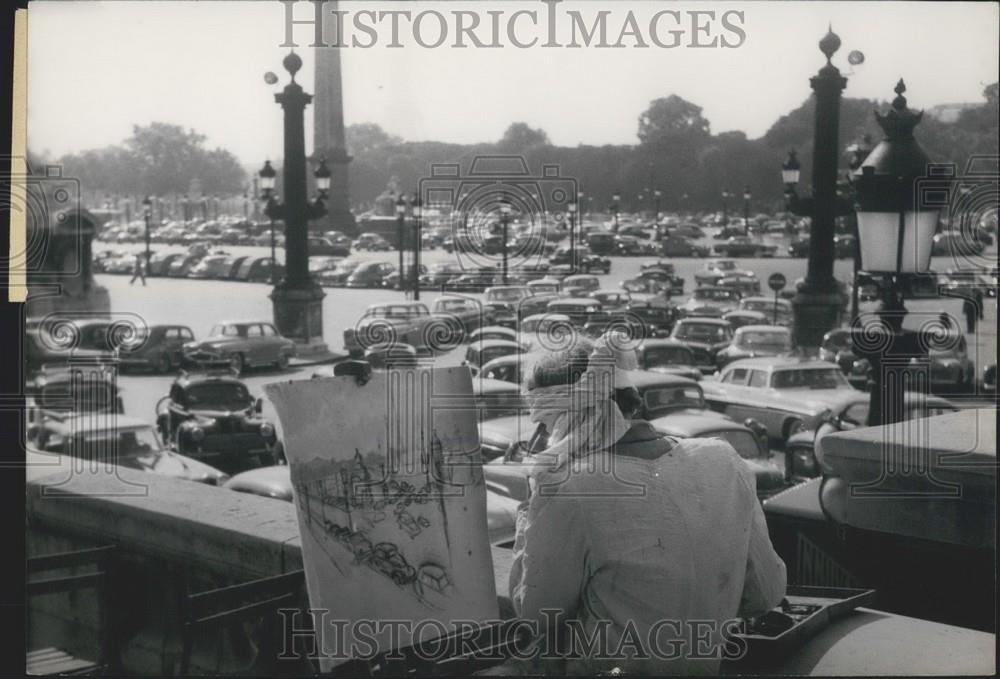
[(97, 68)]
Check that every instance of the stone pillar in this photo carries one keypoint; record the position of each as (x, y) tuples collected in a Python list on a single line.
[(328, 128)]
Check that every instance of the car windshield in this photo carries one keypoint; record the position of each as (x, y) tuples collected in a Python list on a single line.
[(723, 266), (809, 378), (218, 396), (658, 356), (453, 305), (127, 443), (226, 330), (505, 295), (714, 294), (771, 340), (762, 305), (701, 332), (661, 400), (744, 442)]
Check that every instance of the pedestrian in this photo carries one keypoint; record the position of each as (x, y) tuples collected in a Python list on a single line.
[(630, 536), (972, 307), (140, 270)]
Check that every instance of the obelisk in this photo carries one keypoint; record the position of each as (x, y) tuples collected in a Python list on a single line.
[(328, 127)]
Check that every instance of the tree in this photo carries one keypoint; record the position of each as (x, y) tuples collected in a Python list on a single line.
[(520, 137), (669, 118), (366, 137)]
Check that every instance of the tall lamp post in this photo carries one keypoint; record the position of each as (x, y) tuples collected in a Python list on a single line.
[(746, 211), (725, 207), (857, 152), (400, 236), (298, 299), (898, 205), (417, 207), (817, 302), (267, 178), (147, 213), (571, 209), (615, 199), (657, 194), (504, 220)]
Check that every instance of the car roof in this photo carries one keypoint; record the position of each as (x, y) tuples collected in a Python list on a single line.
[(705, 320), (690, 426), (574, 300), (243, 321), (763, 327), (763, 298), (782, 362), (490, 343), (579, 276), (554, 317), (656, 342)]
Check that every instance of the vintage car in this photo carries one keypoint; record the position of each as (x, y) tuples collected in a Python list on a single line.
[(509, 368), (493, 332), (482, 352), (473, 281), (213, 266), (369, 274), (43, 351), (851, 412), (61, 391), (799, 247), (834, 342), (716, 269), (743, 284), (601, 242), (320, 245), (738, 318), (545, 286), (391, 279), (323, 263), (241, 344), (547, 330), (213, 418), (337, 277), (778, 311), (752, 341), (578, 309), (125, 441), (405, 322), (372, 241), (276, 482), (259, 270), (742, 246), (655, 280), (612, 300), (618, 321), (180, 267), (504, 302), (440, 273), (582, 260), (496, 398), (157, 347), (630, 246), (783, 394), (667, 356), (844, 245), (951, 368), (710, 302), (391, 355), (160, 263), (469, 312), (580, 285), (679, 246), (705, 337)]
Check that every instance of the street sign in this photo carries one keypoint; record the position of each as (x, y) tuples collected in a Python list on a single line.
[(776, 282)]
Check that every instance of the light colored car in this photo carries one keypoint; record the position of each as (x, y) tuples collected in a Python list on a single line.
[(711, 301), (778, 311), (783, 394), (751, 341), (404, 322), (241, 344), (716, 269)]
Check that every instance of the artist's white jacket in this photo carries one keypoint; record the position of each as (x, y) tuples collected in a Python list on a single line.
[(654, 557)]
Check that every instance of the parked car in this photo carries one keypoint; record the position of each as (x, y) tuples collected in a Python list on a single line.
[(437, 275), (705, 337), (612, 300), (716, 269), (323, 263), (545, 286), (319, 245), (844, 245), (680, 246), (99, 260), (213, 266), (504, 303), (42, 350), (391, 280), (157, 347), (545, 331), (685, 231), (369, 274), (493, 332), (745, 285), (259, 270), (373, 242), (989, 382), (585, 261), (850, 412), (578, 309), (57, 392), (481, 352), (711, 302), (337, 277), (601, 242), (241, 344), (784, 394), (159, 264), (739, 318), (752, 341), (667, 356), (276, 482), (181, 267), (392, 322), (657, 317), (125, 442), (630, 246), (655, 280), (473, 281), (742, 246), (391, 355), (509, 368), (778, 311), (469, 312), (799, 247), (951, 368), (213, 418), (580, 285)]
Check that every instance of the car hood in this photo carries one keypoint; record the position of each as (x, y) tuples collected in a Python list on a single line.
[(689, 371), (169, 463), (212, 343)]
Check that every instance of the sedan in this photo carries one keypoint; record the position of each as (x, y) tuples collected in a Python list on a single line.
[(778, 311), (712, 302), (705, 337), (158, 347), (751, 341), (667, 356), (741, 246), (242, 344)]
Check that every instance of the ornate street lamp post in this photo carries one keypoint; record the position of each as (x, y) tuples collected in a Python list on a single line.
[(504, 220), (147, 214), (298, 299), (400, 236), (416, 206), (746, 211), (817, 302), (857, 152), (898, 200), (725, 207), (571, 208), (657, 194), (267, 178), (615, 199)]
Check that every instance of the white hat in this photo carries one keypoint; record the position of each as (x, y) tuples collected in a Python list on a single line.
[(616, 350)]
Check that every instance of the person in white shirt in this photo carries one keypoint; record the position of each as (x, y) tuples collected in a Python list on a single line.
[(635, 550)]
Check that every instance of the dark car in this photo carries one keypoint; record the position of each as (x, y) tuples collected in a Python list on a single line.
[(125, 442), (655, 280), (678, 246), (711, 301), (582, 260), (834, 342), (479, 353), (601, 242), (158, 347), (370, 274), (337, 277), (235, 266), (799, 247), (706, 337), (473, 281), (437, 275), (57, 392), (181, 267), (241, 344), (469, 312), (580, 310), (373, 242), (42, 350), (391, 280), (213, 418), (319, 245), (667, 356), (213, 266), (658, 319), (844, 246), (741, 246), (257, 270), (159, 264)]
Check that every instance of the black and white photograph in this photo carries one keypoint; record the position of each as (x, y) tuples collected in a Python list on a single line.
[(535, 337)]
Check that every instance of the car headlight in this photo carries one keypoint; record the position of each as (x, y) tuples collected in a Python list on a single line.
[(267, 430), (195, 432)]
